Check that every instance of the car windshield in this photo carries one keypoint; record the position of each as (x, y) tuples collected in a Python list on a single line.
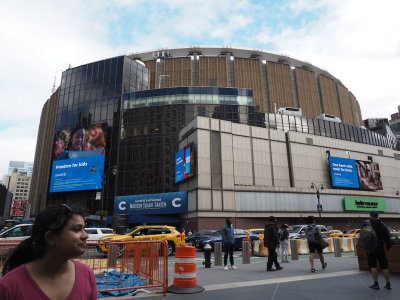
[(257, 231), (351, 231), (297, 229), (215, 233), (206, 232), (126, 232)]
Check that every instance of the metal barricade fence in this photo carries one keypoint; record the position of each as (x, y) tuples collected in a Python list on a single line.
[(120, 265)]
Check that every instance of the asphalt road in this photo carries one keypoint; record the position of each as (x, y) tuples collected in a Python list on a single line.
[(340, 280)]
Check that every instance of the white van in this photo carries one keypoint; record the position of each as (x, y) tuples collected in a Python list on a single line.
[(96, 233)]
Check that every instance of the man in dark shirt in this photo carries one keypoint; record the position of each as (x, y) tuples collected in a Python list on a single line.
[(271, 241), (383, 235)]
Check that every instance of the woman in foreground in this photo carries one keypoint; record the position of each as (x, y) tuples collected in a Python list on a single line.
[(41, 266)]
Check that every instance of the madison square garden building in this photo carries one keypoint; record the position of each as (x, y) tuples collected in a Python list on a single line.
[(190, 136)]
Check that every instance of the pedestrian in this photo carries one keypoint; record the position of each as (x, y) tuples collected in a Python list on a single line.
[(284, 242), (189, 233), (271, 241), (228, 240), (40, 267), (314, 237), (383, 237)]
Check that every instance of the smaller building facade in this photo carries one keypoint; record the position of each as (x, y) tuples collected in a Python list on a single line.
[(250, 173), (19, 185)]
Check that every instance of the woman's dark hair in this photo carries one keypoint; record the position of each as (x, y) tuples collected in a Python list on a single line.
[(310, 219), (73, 131), (51, 219)]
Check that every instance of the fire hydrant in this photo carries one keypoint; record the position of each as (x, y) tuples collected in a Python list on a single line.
[(207, 256)]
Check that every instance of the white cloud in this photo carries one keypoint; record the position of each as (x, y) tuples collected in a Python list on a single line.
[(357, 41)]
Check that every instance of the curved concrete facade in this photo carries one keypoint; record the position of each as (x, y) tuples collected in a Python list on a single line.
[(277, 80)]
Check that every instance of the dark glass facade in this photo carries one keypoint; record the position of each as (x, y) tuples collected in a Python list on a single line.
[(91, 94), (150, 126)]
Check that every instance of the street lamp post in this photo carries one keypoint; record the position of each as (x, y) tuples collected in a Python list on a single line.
[(319, 206), (103, 183)]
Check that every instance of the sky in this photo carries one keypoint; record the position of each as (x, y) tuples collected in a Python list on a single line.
[(357, 41)]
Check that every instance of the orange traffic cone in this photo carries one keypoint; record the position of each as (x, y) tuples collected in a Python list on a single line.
[(185, 281)]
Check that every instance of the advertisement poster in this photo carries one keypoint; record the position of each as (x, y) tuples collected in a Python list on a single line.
[(78, 159), (343, 172), (369, 175), (184, 164), (18, 208), (356, 174)]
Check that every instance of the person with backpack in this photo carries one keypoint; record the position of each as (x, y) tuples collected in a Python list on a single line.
[(271, 241), (314, 237), (373, 237), (284, 242)]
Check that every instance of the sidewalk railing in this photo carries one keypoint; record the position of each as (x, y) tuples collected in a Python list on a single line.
[(120, 265)]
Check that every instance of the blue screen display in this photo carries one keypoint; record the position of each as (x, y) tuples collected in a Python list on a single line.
[(163, 203), (179, 166), (343, 172), (75, 174)]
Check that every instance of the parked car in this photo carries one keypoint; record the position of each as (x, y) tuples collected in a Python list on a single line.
[(18, 232), (335, 233), (240, 234), (352, 233), (155, 232), (96, 233), (258, 231), (299, 231), (192, 239)]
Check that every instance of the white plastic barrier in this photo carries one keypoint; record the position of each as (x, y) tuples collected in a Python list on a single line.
[(346, 244), (302, 246)]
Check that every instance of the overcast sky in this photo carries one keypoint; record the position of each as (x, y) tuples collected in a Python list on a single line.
[(357, 41)]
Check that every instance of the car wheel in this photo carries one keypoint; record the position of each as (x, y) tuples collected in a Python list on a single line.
[(171, 248)]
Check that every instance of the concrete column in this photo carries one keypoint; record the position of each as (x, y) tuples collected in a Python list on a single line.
[(218, 254), (336, 247), (245, 252), (293, 249)]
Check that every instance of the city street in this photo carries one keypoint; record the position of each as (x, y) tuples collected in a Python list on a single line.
[(340, 280)]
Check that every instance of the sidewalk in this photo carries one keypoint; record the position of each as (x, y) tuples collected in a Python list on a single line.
[(341, 277)]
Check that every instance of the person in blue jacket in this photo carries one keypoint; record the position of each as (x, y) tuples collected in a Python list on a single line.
[(228, 240)]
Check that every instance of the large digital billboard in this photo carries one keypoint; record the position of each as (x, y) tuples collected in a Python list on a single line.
[(78, 159), (184, 163), (356, 174), (343, 172), (18, 208)]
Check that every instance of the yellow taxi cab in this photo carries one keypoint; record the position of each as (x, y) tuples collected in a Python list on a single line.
[(155, 232), (335, 233), (352, 233), (258, 231)]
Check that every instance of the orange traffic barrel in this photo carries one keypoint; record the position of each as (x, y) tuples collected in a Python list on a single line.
[(185, 281)]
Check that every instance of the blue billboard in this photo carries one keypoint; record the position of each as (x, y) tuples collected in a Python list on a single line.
[(184, 163), (179, 166), (343, 172), (164, 203), (76, 174), (78, 159)]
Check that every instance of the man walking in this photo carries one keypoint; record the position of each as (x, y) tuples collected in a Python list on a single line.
[(314, 236), (271, 241), (228, 240), (383, 237)]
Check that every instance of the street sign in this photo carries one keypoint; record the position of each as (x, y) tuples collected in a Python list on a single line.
[(98, 196), (319, 207)]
